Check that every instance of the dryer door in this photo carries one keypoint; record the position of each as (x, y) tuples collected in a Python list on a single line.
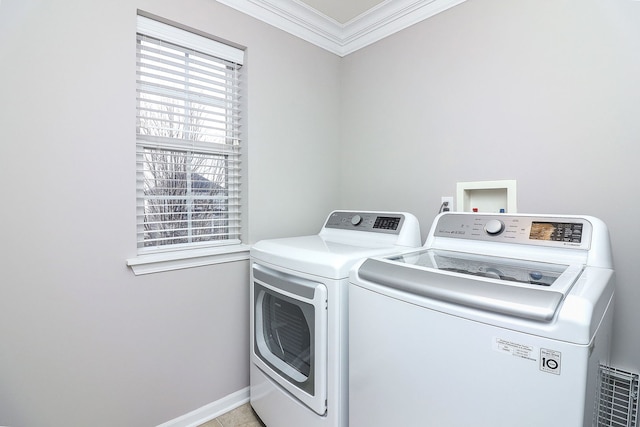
[(290, 334)]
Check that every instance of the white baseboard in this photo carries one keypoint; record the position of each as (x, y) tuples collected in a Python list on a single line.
[(210, 411)]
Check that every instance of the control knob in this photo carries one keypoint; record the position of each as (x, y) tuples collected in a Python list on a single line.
[(356, 219), (494, 227)]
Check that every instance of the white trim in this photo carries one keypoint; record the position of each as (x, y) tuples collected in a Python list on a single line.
[(375, 24), (389, 18), (293, 18), (211, 411), (175, 260)]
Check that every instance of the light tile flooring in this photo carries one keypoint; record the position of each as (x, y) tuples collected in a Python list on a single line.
[(242, 416)]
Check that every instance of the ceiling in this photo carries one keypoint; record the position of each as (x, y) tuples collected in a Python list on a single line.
[(341, 26), (342, 11)]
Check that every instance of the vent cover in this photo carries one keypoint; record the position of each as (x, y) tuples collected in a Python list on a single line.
[(617, 402)]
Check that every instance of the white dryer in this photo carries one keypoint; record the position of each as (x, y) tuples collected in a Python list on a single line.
[(499, 321), (299, 291)]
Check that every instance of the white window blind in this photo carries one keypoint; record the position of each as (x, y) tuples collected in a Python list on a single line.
[(188, 139)]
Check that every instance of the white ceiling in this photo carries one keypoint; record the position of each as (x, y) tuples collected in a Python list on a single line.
[(341, 26), (342, 11)]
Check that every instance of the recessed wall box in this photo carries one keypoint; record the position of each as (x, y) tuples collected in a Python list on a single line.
[(487, 196)]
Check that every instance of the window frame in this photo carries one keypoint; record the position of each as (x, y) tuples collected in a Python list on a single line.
[(178, 256)]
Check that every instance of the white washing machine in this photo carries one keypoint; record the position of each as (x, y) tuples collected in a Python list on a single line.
[(499, 321), (299, 291)]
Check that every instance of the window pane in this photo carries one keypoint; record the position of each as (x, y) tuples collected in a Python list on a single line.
[(186, 197)]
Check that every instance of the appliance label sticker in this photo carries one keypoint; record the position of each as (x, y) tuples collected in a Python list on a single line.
[(550, 361), (514, 349)]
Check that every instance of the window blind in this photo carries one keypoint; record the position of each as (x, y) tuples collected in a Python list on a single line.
[(188, 139)]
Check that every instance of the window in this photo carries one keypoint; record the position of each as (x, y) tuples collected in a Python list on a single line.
[(188, 140)]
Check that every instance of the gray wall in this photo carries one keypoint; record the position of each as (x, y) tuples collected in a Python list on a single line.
[(543, 92), (82, 340)]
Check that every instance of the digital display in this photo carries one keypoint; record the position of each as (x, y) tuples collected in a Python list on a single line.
[(387, 223), (556, 232)]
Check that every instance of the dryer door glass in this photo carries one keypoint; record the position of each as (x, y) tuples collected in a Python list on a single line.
[(287, 332)]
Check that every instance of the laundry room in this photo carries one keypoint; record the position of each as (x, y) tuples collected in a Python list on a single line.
[(541, 93)]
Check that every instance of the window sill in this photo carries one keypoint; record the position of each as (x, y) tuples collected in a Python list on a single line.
[(168, 261)]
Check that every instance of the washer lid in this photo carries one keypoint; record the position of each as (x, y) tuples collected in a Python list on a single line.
[(526, 289), (507, 269)]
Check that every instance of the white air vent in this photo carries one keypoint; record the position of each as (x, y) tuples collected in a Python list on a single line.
[(617, 403)]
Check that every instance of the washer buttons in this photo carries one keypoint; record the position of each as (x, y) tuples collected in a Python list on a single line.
[(494, 227)]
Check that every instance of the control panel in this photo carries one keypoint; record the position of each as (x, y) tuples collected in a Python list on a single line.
[(556, 231), (388, 223)]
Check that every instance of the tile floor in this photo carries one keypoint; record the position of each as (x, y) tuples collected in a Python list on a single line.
[(242, 416)]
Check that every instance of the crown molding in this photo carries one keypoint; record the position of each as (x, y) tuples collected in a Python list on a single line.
[(302, 21)]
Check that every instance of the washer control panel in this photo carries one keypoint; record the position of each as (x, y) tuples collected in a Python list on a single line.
[(556, 231), (377, 222)]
